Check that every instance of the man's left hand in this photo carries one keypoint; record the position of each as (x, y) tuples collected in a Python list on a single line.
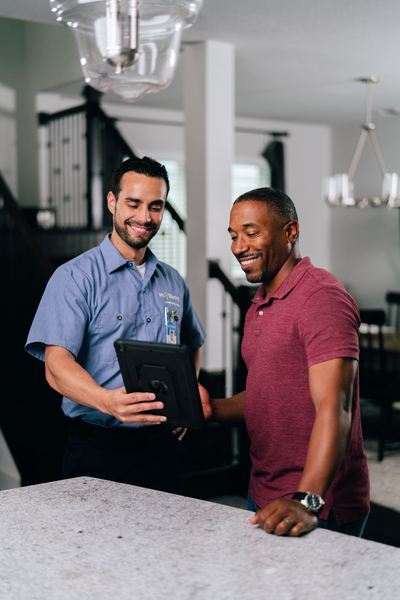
[(285, 517)]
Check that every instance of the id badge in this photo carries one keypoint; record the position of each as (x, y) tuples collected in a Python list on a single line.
[(171, 326)]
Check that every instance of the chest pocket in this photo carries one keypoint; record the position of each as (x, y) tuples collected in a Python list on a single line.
[(111, 326)]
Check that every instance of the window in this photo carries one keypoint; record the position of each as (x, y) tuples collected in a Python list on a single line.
[(246, 177), (169, 245)]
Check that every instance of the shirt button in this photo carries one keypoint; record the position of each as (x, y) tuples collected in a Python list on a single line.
[(261, 312), (144, 289), (149, 320), (130, 264), (119, 318)]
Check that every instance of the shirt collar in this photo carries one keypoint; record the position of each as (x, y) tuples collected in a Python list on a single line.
[(287, 284), (114, 259)]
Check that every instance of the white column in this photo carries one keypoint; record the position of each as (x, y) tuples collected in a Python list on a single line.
[(209, 102)]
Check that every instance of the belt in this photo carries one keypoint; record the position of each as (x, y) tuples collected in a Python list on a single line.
[(123, 437)]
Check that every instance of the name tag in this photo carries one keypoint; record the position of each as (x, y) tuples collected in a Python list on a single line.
[(171, 324)]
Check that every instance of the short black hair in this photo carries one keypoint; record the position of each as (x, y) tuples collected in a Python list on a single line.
[(278, 203), (144, 166)]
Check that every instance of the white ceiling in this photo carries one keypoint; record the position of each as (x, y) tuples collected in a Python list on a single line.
[(295, 59)]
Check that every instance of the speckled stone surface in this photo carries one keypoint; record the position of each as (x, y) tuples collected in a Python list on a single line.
[(88, 539)]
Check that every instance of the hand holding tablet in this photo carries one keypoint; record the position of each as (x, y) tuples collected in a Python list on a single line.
[(167, 371)]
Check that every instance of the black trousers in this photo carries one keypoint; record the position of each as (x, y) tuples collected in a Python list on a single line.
[(148, 457)]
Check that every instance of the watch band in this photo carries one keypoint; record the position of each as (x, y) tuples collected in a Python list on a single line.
[(299, 495)]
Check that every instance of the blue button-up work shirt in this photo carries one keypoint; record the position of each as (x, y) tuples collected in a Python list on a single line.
[(98, 297)]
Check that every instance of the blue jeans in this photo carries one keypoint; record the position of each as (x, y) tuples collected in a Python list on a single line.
[(355, 528)]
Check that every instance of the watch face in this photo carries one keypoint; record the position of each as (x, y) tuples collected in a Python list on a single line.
[(314, 502)]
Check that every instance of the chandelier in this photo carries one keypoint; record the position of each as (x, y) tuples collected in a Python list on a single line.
[(338, 190), (127, 47)]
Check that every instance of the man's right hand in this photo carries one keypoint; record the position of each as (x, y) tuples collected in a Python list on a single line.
[(68, 378), (130, 408), (205, 402)]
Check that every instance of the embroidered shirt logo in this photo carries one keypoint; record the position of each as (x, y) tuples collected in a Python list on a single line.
[(168, 296)]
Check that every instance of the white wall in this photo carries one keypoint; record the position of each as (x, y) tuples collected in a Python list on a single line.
[(365, 246), (308, 160), (8, 136), (29, 64)]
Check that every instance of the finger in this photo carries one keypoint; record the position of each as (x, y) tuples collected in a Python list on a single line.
[(138, 397), (176, 430), (139, 407), (254, 519), (182, 434), (268, 519), (303, 526), (141, 413), (141, 419), (284, 526)]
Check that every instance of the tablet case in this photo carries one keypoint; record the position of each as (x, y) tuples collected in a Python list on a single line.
[(166, 370)]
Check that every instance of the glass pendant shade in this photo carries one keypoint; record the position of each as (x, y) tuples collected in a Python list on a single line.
[(128, 47)]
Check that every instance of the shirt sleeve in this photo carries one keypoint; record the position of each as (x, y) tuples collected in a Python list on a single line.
[(192, 332), (328, 324), (62, 315)]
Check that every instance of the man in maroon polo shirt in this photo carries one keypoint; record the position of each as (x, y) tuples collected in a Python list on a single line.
[(301, 403)]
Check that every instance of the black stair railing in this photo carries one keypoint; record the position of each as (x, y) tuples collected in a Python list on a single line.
[(84, 148)]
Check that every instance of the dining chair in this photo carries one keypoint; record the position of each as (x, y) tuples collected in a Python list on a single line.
[(393, 309), (379, 379)]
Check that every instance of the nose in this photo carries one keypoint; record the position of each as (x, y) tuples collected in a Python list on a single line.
[(239, 245), (142, 215)]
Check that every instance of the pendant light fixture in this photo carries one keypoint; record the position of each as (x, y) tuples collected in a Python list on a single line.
[(338, 190), (127, 47)]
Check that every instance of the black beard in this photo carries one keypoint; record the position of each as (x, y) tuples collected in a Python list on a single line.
[(135, 243)]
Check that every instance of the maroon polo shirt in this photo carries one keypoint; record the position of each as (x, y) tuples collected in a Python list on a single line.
[(309, 319)]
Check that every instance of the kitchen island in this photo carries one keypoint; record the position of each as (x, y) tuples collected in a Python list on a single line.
[(89, 539)]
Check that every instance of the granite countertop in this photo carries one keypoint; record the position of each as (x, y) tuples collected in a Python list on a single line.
[(89, 539)]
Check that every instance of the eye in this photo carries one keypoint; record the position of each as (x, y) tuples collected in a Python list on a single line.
[(233, 238)]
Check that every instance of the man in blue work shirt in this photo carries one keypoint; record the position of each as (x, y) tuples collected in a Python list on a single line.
[(116, 290)]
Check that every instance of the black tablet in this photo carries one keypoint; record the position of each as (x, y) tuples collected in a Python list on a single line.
[(168, 371)]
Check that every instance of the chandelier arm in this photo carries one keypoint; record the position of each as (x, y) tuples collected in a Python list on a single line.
[(357, 154), (378, 154), (368, 103)]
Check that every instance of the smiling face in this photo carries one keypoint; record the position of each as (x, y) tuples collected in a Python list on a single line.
[(137, 213), (263, 244)]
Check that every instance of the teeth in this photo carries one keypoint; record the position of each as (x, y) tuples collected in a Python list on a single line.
[(139, 229), (248, 262)]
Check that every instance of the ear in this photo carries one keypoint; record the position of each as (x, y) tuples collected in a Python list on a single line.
[(292, 231), (111, 201)]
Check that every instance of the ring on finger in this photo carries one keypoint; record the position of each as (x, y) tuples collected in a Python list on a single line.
[(291, 523)]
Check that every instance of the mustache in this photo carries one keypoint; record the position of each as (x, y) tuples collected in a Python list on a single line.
[(246, 255)]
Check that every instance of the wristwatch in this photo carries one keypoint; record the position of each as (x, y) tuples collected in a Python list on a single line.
[(312, 502)]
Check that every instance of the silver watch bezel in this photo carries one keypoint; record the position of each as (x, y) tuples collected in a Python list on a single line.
[(308, 502)]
